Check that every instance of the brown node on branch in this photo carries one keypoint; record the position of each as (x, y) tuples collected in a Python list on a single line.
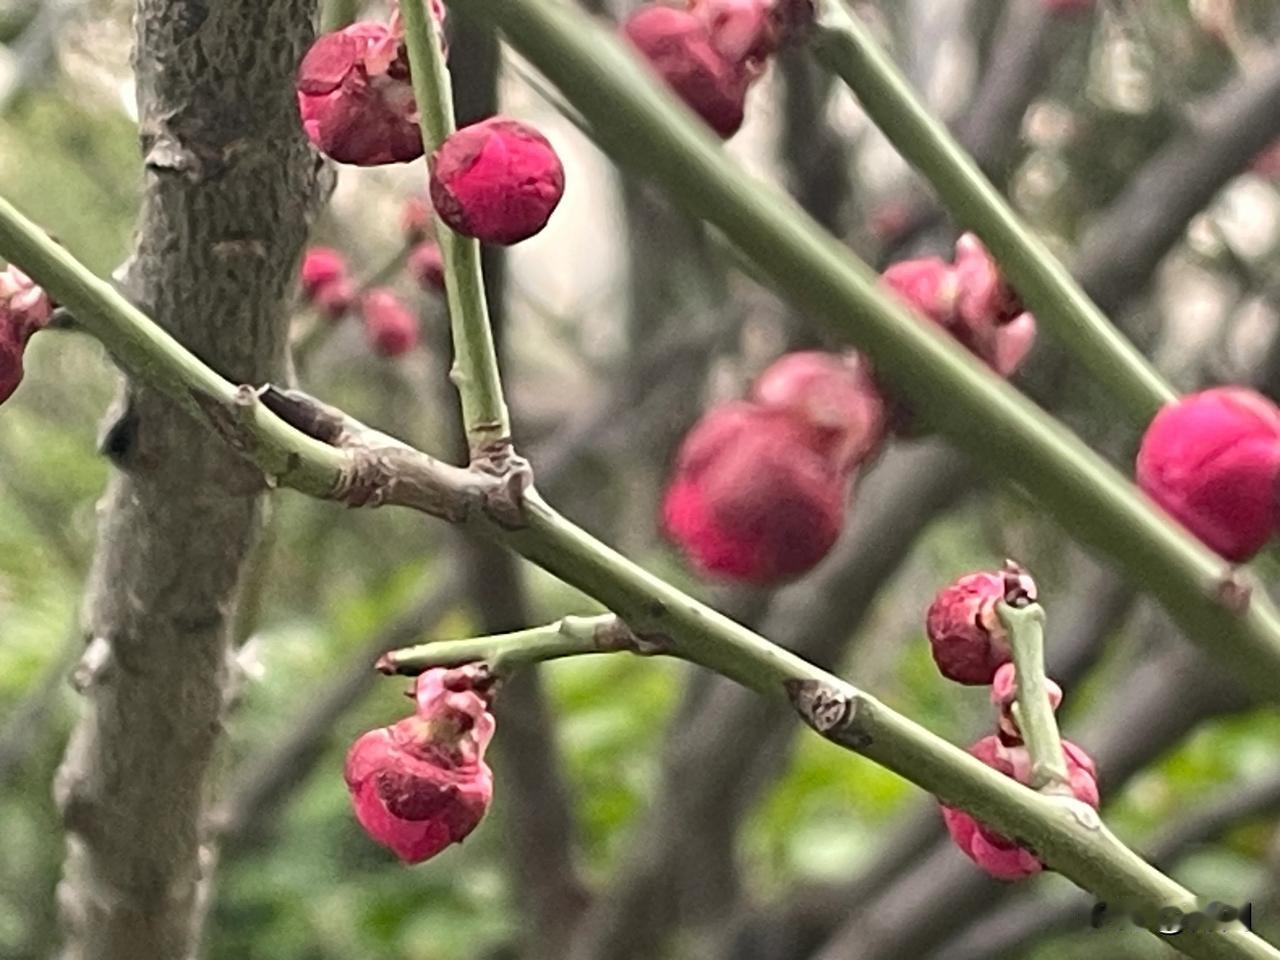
[(504, 502)]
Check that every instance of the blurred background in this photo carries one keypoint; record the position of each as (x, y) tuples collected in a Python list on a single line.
[(643, 810)]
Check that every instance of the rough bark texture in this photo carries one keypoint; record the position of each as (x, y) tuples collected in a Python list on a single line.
[(230, 187)]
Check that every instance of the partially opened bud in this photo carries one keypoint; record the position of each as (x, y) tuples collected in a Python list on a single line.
[(498, 180), (679, 48), (421, 784), (1004, 694), (24, 309), (356, 98), (750, 31), (752, 498), (426, 266), (990, 319), (390, 326), (965, 634), (997, 855), (1212, 460), (927, 286), (835, 395)]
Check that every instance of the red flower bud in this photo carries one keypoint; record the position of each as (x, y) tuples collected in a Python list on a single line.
[(971, 300), (326, 284), (390, 326), (928, 286), (752, 497), (417, 219), (679, 47), (834, 395), (998, 855), (965, 634), (1212, 460), (24, 309), (497, 180), (1004, 694), (421, 784), (426, 265), (750, 31), (356, 98)]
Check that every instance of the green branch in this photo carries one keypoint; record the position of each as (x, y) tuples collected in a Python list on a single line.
[(475, 369), (1034, 712), (1004, 432), (844, 45), (1065, 833)]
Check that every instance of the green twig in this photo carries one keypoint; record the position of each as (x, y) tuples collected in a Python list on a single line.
[(567, 637), (1034, 712), (475, 369), (844, 45)]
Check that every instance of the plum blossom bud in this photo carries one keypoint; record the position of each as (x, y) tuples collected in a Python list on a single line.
[(422, 784), (752, 498), (750, 31), (498, 180), (834, 395), (24, 309), (1212, 461), (426, 266), (389, 325), (971, 301), (326, 284), (997, 855), (417, 220), (679, 48), (356, 98), (927, 286), (1004, 694), (965, 634)]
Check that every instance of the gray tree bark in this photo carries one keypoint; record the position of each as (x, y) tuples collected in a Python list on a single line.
[(230, 187)]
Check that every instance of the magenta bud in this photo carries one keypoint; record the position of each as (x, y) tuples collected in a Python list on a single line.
[(426, 266), (390, 326), (965, 634), (1004, 694), (24, 309), (1212, 460)]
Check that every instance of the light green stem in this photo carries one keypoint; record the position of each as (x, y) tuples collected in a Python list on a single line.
[(570, 636), (1064, 833), (844, 45), (475, 368), (1036, 722), (1004, 432)]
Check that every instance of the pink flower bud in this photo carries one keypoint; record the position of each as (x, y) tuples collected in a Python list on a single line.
[(990, 319), (390, 326), (965, 634), (1212, 460), (750, 31), (356, 98), (680, 49), (421, 784), (1004, 694), (752, 498), (928, 286), (24, 309), (426, 266), (997, 855), (834, 395), (326, 284), (497, 180), (417, 219)]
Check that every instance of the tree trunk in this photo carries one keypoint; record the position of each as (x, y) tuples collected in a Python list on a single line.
[(230, 187)]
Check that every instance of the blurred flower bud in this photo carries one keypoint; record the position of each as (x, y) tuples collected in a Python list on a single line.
[(390, 326)]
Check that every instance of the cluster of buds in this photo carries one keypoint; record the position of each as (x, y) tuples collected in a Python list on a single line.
[(710, 53), (759, 487), (422, 784), (1212, 461), (498, 180), (24, 309), (390, 327), (970, 300), (971, 646)]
